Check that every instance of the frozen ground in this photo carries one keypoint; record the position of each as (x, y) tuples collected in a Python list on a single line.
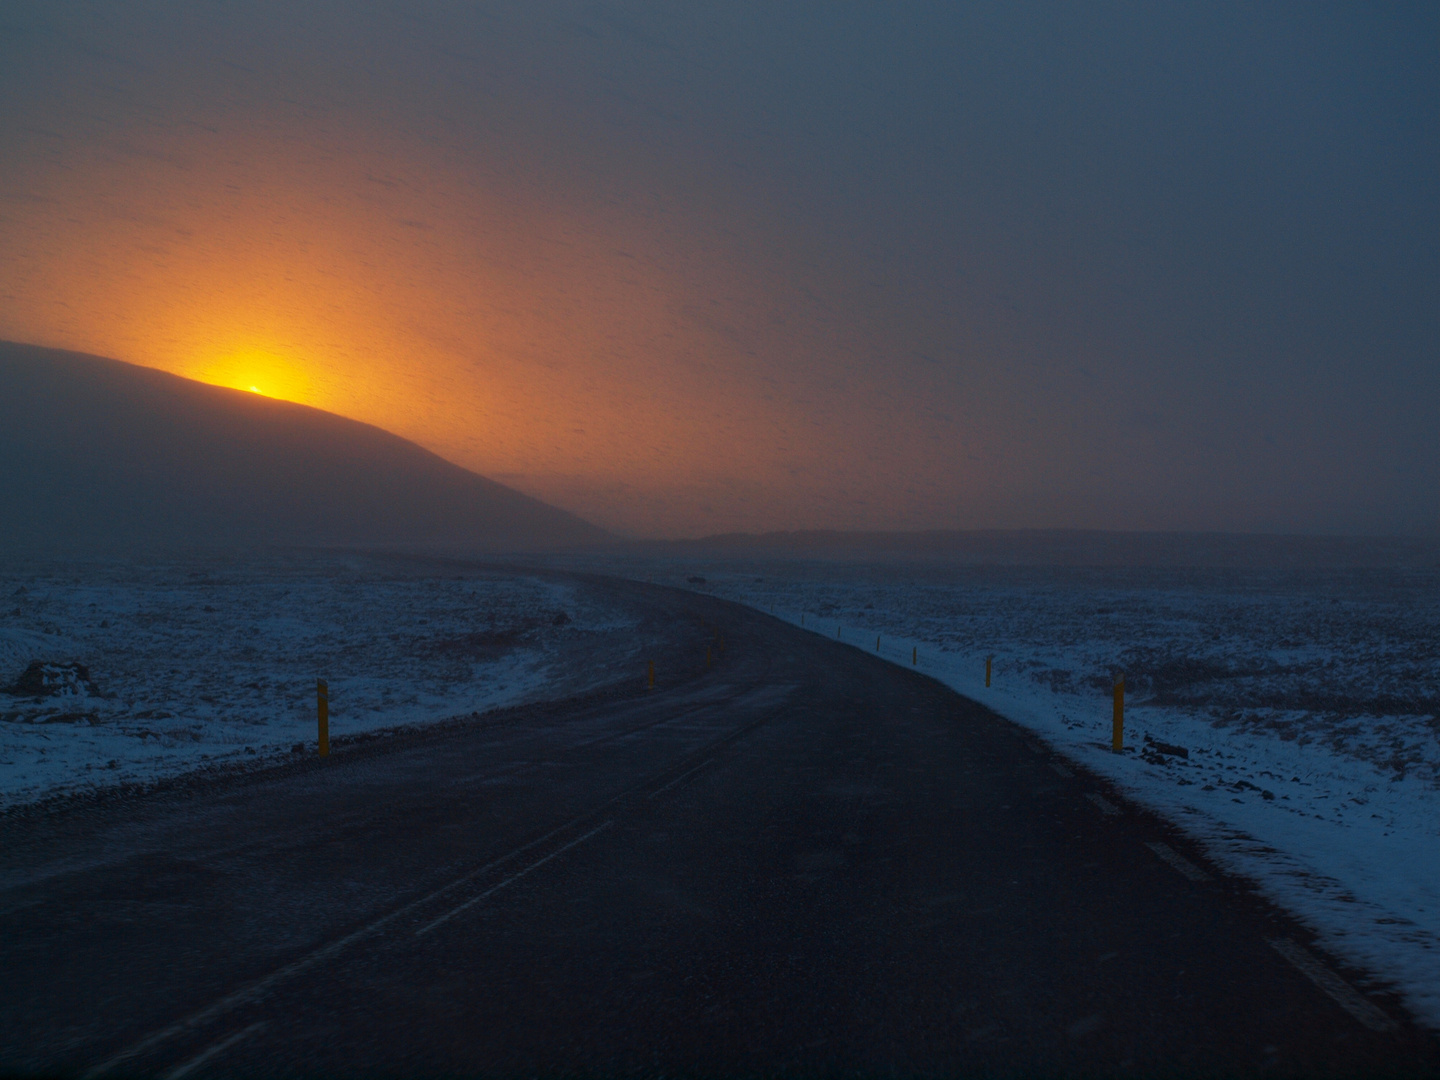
[(1287, 720), (209, 662)]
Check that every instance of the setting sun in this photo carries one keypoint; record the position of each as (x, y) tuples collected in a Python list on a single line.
[(252, 368)]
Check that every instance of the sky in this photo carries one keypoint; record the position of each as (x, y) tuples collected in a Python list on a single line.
[(686, 268)]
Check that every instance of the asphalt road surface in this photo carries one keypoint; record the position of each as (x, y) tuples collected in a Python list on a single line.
[(801, 859)]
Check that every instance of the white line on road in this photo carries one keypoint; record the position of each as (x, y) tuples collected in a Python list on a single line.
[(682, 776), (512, 878), (258, 989), (1178, 861), (220, 1047), (1344, 994), (261, 987), (1106, 806)]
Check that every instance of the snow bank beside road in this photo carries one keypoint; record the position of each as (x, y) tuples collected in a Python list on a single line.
[(1305, 703), (200, 662)]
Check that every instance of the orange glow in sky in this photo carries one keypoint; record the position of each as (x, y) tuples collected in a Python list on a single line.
[(502, 335), (257, 371), (693, 268), (611, 362)]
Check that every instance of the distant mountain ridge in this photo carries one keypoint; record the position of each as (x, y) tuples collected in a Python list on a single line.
[(100, 455), (1065, 547)]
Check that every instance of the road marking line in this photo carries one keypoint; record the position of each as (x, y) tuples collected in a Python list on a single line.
[(1062, 770), (1178, 861), (195, 1062), (260, 987), (1344, 994), (677, 779), (1106, 806), (512, 878)]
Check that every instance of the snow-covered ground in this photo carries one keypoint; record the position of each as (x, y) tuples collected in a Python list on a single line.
[(198, 662), (1306, 704)]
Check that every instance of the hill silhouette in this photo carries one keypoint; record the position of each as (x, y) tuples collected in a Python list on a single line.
[(98, 455)]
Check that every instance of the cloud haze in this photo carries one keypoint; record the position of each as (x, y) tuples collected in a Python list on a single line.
[(684, 267)]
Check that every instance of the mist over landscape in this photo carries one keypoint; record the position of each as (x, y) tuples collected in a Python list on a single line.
[(685, 269), (632, 538)]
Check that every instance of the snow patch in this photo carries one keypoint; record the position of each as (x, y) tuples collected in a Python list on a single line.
[(1287, 721), (117, 673)]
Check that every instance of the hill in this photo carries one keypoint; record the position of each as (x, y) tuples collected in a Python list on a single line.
[(97, 455), (1064, 547)]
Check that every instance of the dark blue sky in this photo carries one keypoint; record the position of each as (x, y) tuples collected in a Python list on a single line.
[(694, 267)]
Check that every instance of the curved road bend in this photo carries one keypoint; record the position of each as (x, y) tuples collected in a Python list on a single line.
[(802, 859)]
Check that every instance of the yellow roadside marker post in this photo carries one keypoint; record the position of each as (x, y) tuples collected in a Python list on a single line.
[(322, 715), (707, 655), (987, 669), (1117, 735), (914, 655), (652, 674), (877, 642)]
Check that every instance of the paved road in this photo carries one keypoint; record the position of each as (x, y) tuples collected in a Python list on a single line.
[(802, 859)]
